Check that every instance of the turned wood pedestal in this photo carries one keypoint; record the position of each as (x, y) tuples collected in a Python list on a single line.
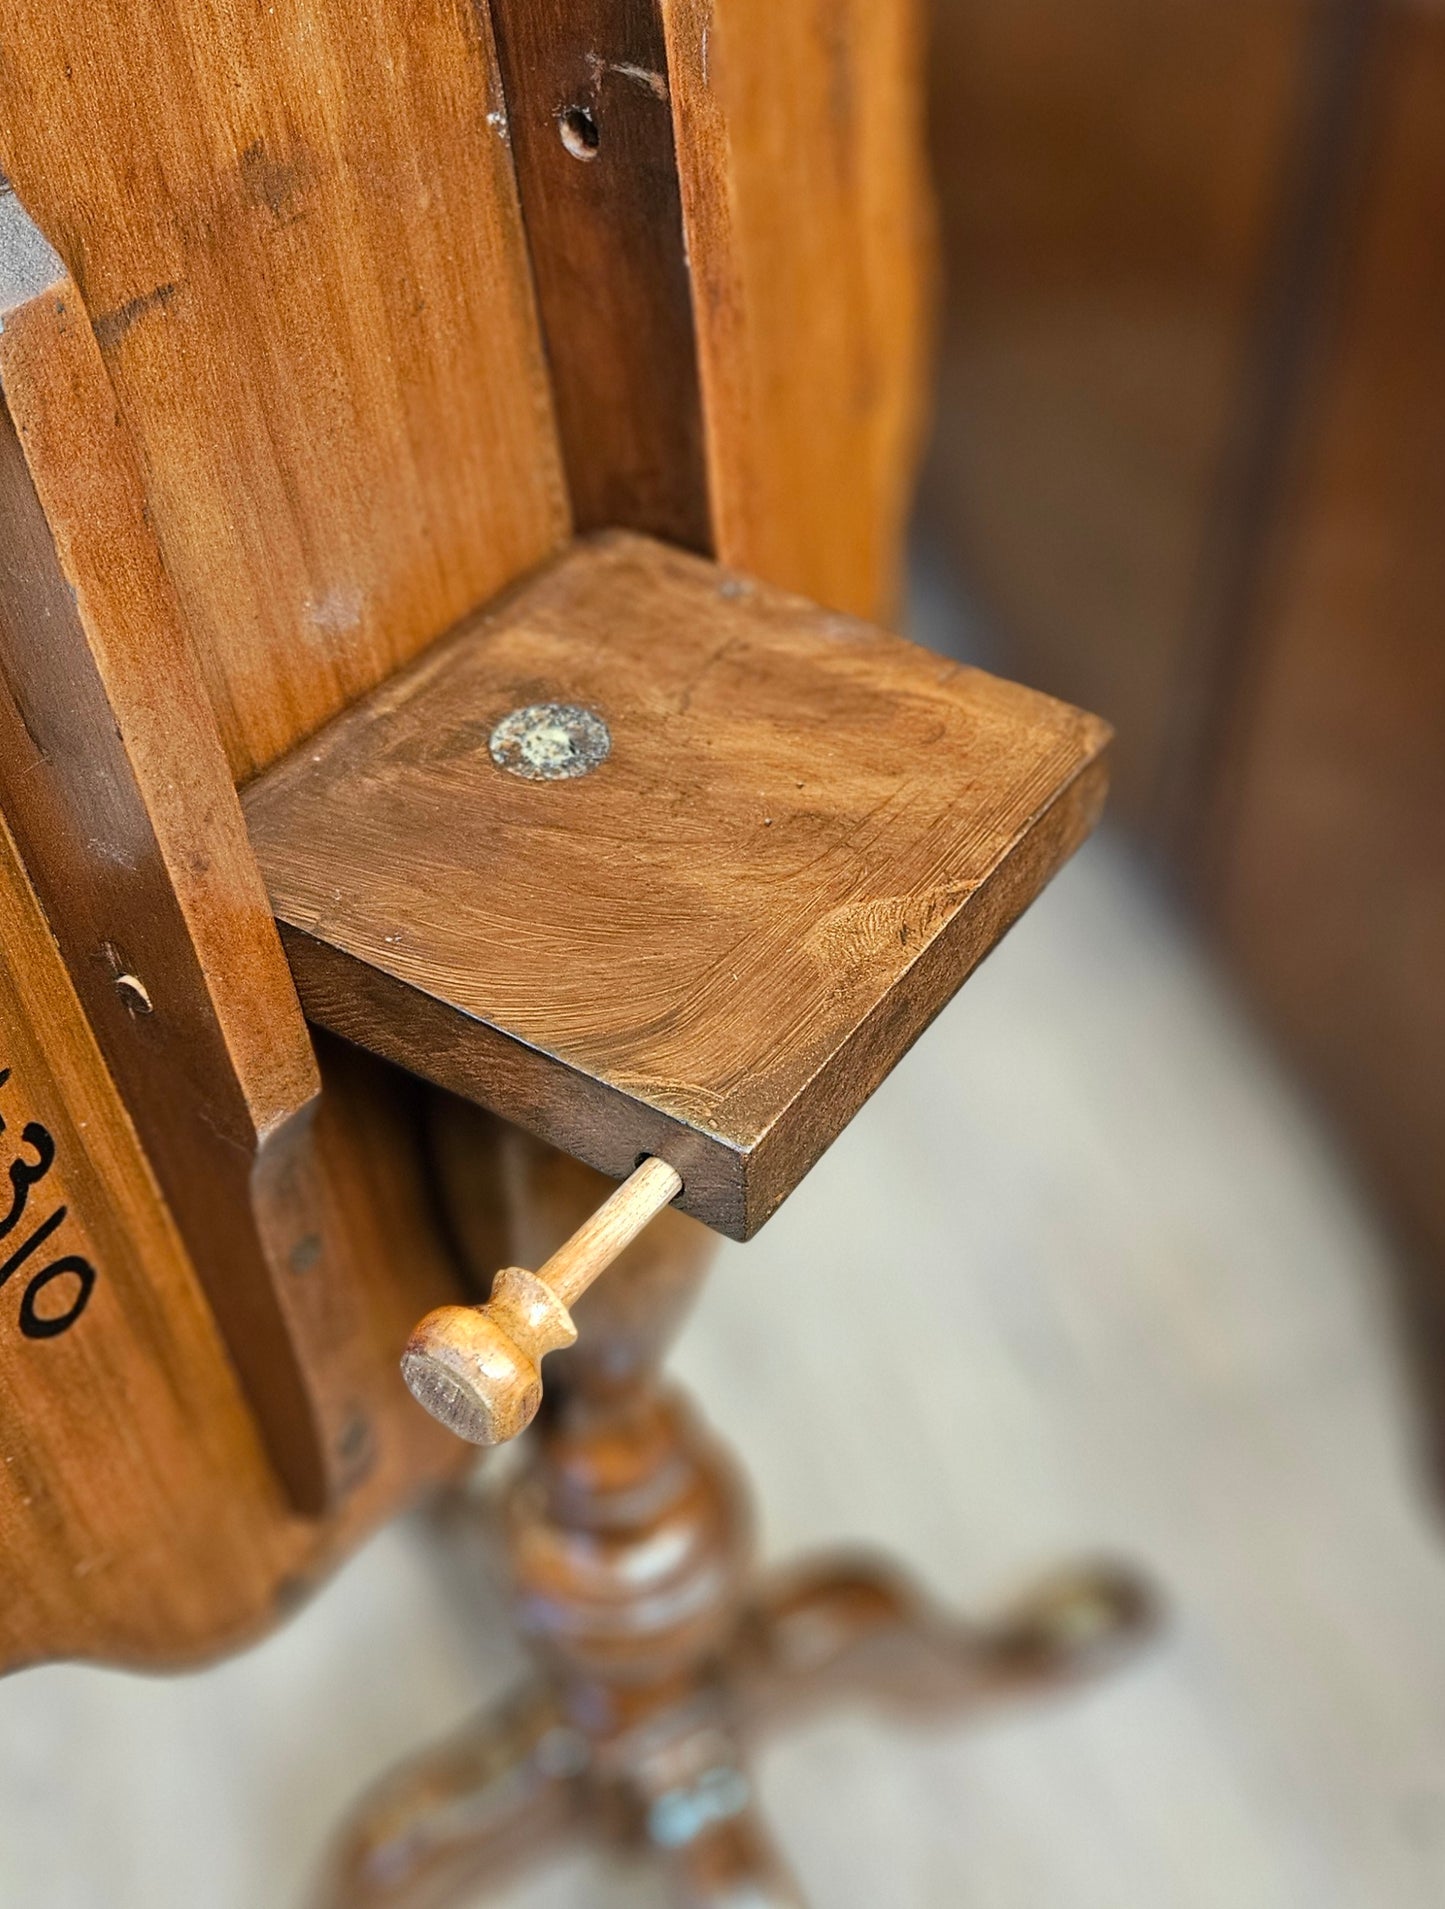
[(625, 1535), (668, 869)]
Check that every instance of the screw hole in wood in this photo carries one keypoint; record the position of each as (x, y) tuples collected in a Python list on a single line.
[(134, 993), (580, 132)]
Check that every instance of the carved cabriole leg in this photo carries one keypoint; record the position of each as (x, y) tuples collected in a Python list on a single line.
[(851, 1626), (626, 1541)]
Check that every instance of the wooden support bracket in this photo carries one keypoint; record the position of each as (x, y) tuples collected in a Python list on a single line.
[(652, 859)]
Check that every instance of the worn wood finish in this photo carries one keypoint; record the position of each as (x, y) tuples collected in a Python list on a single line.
[(731, 231), (511, 1200), (123, 805), (298, 238), (140, 1519), (113, 777), (297, 232), (73, 1518), (587, 1253), (713, 946), (591, 126)]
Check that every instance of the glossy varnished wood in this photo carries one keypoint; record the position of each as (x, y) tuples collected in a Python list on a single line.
[(713, 946)]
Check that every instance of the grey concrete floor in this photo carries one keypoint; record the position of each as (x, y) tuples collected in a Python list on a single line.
[(1136, 1307)]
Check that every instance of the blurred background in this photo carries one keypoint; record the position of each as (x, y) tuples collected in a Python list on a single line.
[(1190, 466), (1161, 1199)]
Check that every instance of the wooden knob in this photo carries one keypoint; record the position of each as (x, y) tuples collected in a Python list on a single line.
[(476, 1368)]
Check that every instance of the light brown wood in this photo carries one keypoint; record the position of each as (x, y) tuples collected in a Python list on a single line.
[(317, 430), (140, 1520), (510, 1200), (628, 1546), (112, 776), (476, 1368), (714, 945), (78, 1402), (589, 1251), (809, 230), (298, 241), (114, 781), (296, 230), (742, 195)]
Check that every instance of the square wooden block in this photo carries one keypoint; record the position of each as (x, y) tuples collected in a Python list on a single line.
[(653, 859)]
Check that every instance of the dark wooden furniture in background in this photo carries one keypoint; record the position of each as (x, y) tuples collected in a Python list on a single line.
[(1191, 454)]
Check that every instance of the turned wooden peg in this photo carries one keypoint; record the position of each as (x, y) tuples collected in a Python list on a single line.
[(476, 1368)]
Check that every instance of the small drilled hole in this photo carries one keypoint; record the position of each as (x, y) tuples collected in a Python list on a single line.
[(580, 132), (642, 1160), (134, 993)]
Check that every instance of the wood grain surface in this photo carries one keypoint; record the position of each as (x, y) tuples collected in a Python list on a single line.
[(141, 1521), (296, 229), (113, 777), (122, 804), (589, 112), (713, 946), (1132, 1302), (476, 1368), (731, 232), (299, 421), (810, 237)]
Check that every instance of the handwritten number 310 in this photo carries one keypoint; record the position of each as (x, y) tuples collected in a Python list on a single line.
[(25, 1174)]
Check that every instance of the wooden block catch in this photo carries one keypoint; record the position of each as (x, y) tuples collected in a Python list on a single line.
[(655, 860)]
